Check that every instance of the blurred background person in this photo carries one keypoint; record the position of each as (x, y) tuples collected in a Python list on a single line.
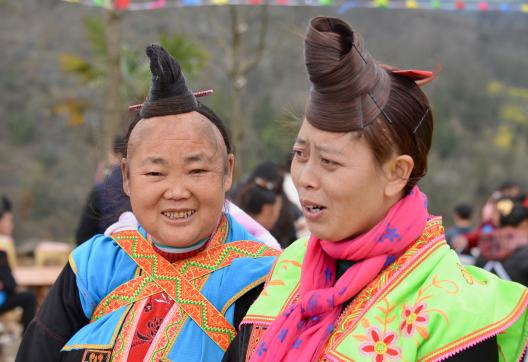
[(504, 250), (269, 174), (106, 200), (489, 217), (258, 199), (462, 222), (7, 227), (10, 296), (511, 188)]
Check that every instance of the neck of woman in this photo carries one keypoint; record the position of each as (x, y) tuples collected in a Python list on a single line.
[(180, 250), (173, 253)]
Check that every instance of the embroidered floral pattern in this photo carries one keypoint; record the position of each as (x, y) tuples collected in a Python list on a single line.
[(391, 234), (380, 347), (413, 318), (350, 315)]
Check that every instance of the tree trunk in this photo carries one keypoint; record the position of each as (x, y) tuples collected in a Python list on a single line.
[(112, 102), (240, 65)]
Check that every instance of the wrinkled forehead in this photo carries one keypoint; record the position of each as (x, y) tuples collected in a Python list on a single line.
[(334, 142), (187, 130)]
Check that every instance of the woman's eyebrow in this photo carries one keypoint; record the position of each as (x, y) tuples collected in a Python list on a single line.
[(321, 148), (154, 160), (197, 157), (328, 149)]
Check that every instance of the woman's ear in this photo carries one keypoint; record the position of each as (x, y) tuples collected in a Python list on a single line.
[(229, 168), (125, 173), (397, 173)]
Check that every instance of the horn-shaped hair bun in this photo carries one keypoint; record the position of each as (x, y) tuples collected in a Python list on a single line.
[(349, 88), (168, 89)]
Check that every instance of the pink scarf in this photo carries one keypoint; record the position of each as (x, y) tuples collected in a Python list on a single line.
[(300, 332)]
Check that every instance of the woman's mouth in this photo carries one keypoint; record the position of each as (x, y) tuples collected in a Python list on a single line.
[(313, 211), (178, 214)]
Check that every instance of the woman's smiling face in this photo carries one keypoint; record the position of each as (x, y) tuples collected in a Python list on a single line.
[(341, 185), (176, 175)]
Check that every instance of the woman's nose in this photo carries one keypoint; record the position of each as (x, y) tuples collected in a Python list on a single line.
[(177, 190), (307, 176)]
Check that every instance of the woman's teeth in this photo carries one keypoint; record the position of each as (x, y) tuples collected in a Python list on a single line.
[(178, 214), (314, 208)]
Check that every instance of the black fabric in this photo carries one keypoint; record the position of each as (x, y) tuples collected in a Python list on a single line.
[(27, 300), (486, 351), (284, 229), (238, 348), (516, 266), (89, 222), (60, 316), (105, 203), (6, 276), (244, 302)]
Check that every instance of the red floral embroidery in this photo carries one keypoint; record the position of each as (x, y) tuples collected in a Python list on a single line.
[(413, 317), (380, 347)]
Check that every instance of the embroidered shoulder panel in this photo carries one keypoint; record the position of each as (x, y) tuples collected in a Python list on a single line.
[(433, 233)]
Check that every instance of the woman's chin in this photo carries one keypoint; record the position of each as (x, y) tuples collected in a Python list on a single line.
[(177, 240), (320, 233)]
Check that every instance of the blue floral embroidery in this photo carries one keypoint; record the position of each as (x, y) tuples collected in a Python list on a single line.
[(389, 261), (313, 302), (391, 234), (282, 334), (288, 312), (329, 329), (262, 349), (330, 301), (297, 343), (328, 274)]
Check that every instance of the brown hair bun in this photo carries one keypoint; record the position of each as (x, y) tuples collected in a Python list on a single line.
[(346, 81)]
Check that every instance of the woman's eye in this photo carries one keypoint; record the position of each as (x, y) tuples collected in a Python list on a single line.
[(298, 154), (153, 173), (198, 171), (328, 162)]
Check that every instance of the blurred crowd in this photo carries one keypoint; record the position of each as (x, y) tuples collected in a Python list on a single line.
[(498, 241)]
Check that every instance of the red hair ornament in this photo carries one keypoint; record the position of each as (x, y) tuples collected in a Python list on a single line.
[(205, 93)]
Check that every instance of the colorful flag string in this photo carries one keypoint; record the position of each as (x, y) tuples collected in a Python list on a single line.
[(342, 5)]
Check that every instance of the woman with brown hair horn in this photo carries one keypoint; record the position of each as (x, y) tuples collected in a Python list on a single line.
[(376, 280)]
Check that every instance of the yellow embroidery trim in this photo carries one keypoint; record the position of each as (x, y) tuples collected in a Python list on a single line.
[(102, 346), (242, 292)]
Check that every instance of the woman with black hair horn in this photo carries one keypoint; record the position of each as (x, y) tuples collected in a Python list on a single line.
[(176, 286)]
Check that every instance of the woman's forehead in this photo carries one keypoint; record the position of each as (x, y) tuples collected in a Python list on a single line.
[(331, 142), (189, 130)]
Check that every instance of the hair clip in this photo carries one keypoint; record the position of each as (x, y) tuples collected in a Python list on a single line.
[(421, 120), (414, 74), (505, 207), (363, 125), (267, 185), (204, 93), (420, 77)]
